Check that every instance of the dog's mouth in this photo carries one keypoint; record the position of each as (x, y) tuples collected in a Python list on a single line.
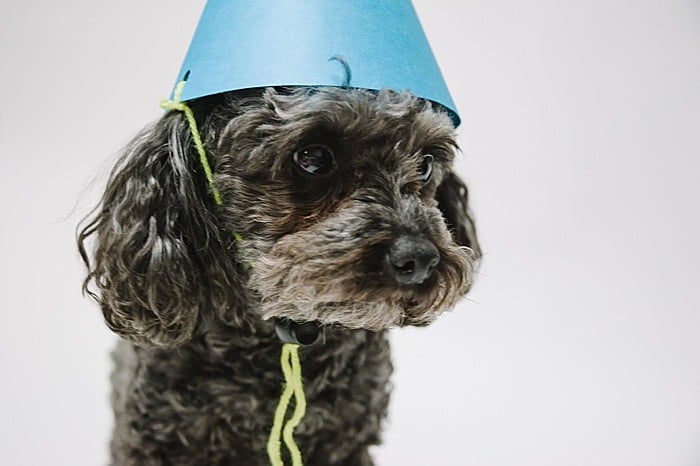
[(353, 296)]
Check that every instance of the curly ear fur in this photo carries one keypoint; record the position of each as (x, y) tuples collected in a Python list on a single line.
[(161, 262), (452, 197)]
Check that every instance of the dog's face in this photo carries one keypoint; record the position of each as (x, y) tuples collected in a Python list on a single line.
[(345, 201), (334, 193)]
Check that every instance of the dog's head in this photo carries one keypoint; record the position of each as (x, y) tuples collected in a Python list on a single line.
[(344, 202)]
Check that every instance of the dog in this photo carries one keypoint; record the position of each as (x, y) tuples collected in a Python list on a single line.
[(339, 207)]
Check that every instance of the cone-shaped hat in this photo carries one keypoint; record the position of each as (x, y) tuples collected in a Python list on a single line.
[(244, 44)]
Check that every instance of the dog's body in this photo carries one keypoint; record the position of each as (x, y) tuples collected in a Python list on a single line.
[(347, 214)]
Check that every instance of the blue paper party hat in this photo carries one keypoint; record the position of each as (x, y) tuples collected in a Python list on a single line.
[(245, 44)]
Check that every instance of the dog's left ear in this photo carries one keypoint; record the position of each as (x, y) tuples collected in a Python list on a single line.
[(453, 200)]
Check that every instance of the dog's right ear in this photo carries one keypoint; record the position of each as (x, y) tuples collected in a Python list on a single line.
[(453, 200), (161, 260)]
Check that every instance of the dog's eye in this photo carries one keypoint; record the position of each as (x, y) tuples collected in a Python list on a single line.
[(315, 160), (426, 168)]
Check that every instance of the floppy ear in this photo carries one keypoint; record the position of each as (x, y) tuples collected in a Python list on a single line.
[(160, 260), (453, 200)]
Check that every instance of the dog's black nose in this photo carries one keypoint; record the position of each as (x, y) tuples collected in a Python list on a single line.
[(411, 260)]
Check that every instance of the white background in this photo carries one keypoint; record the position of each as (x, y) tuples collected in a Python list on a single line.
[(580, 344)]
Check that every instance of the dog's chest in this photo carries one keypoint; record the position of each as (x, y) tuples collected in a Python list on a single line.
[(206, 403)]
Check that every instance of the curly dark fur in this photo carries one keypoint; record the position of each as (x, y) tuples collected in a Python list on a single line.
[(197, 378)]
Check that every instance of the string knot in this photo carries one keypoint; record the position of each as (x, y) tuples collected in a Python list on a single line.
[(167, 104), (176, 102)]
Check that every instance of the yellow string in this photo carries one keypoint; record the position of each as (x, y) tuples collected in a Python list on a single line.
[(177, 104), (299, 409), (291, 368)]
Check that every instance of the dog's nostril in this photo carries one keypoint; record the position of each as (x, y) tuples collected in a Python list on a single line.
[(431, 267), (408, 267), (411, 260)]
